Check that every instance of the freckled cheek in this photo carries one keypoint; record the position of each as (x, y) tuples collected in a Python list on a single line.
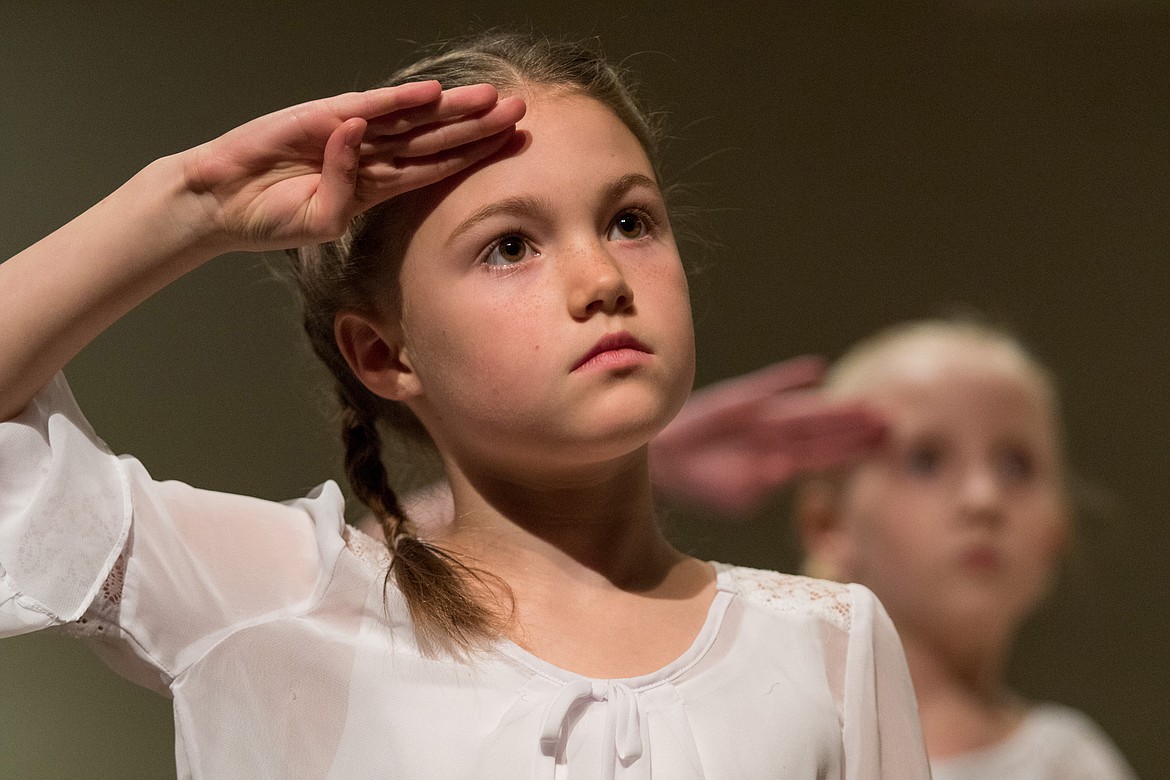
[(663, 277), (662, 289), (497, 350)]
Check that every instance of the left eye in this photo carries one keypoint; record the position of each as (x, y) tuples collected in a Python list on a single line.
[(626, 226), (509, 250), (1016, 466)]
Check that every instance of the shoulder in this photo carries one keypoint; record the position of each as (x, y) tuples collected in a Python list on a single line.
[(1051, 720), (1052, 741), (1071, 733), (791, 594)]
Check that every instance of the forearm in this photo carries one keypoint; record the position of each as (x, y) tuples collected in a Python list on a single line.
[(59, 294)]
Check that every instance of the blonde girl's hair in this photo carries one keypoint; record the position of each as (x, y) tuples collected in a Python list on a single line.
[(448, 600), (845, 375)]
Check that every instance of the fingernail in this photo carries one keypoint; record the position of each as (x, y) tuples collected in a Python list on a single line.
[(353, 136)]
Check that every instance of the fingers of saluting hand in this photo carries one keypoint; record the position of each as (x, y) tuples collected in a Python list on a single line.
[(365, 164), (446, 105), (384, 176), (375, 103), (792, 374), (809, 419), (439, 135), (732, 399), (819, 437)]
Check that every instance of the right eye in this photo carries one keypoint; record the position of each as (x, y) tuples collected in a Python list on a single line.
[(508, 250)]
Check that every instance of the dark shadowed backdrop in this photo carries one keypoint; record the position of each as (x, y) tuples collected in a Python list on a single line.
[(853, 170)]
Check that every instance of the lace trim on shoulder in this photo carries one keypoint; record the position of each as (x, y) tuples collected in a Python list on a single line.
[(793, 595), (366, 548), (102, 614)]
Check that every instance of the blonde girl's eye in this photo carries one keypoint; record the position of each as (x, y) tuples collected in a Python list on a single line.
[(508, 250), (628, 226), (1016, 465), (923, 460)]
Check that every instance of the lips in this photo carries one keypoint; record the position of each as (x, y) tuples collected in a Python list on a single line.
[(981, 557), (612, 343)]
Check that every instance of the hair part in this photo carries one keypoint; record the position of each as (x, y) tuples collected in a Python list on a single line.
[(450, 603)]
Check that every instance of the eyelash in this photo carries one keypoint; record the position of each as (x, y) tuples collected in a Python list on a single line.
[(643, 213)]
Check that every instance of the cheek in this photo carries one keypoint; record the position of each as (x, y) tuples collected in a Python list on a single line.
[(482, 362), (1044, 534), (667, 282), (661, 292), (478, 349), (891, 527)]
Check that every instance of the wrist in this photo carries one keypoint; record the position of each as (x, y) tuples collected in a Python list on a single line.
[(188, 226)]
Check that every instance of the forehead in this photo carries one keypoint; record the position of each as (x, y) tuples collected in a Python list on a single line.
[(567, 146), (960, 381)]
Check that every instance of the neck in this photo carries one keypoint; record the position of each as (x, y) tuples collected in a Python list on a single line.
[(963, 701), (595, 527)]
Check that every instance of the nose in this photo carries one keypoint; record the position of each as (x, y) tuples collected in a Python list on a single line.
[(597, 284), (981, 494)]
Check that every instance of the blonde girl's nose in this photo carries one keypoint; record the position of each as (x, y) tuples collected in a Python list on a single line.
[(597, 284), (981, 491)]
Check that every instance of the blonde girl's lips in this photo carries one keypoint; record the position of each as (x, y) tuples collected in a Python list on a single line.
[(614, 351), (984, 558)]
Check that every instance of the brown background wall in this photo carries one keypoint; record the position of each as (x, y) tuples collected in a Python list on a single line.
[(855, 170)]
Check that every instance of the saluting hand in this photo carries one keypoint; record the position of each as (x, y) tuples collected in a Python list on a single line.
[(299, 175), (737, 442)]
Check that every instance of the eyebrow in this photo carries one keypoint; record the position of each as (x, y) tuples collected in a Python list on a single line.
[(521, 207), (525, 206)]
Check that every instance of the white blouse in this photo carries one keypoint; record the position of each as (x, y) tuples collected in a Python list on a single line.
[(1053, 742), (269, 627)]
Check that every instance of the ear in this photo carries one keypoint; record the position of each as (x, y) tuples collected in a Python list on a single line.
[(828, 547), (376, 355)]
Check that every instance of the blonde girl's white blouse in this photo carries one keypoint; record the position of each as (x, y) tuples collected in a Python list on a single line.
[(1054, 742), (268, 626)]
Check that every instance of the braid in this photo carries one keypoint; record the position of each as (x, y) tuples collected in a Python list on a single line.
[(436, 586), (366, 471)]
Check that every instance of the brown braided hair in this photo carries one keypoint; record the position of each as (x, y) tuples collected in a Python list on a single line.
[(448, 601)]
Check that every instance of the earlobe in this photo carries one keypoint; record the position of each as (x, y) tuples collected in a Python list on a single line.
[(375, 355)]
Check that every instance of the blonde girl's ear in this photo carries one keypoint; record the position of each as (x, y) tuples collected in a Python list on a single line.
[(376, 355), (827, 545)]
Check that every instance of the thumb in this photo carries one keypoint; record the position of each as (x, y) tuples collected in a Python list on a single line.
[(333, 200)]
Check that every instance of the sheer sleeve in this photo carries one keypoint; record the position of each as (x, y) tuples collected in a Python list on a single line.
[(860, 657), (156, 572), (883, 738), (64, 513)]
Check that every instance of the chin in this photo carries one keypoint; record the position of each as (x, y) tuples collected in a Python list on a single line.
[(981, 620), (634, 407), (615, 439)]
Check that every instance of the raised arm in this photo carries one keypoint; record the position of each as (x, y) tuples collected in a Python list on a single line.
[(289, 178)]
